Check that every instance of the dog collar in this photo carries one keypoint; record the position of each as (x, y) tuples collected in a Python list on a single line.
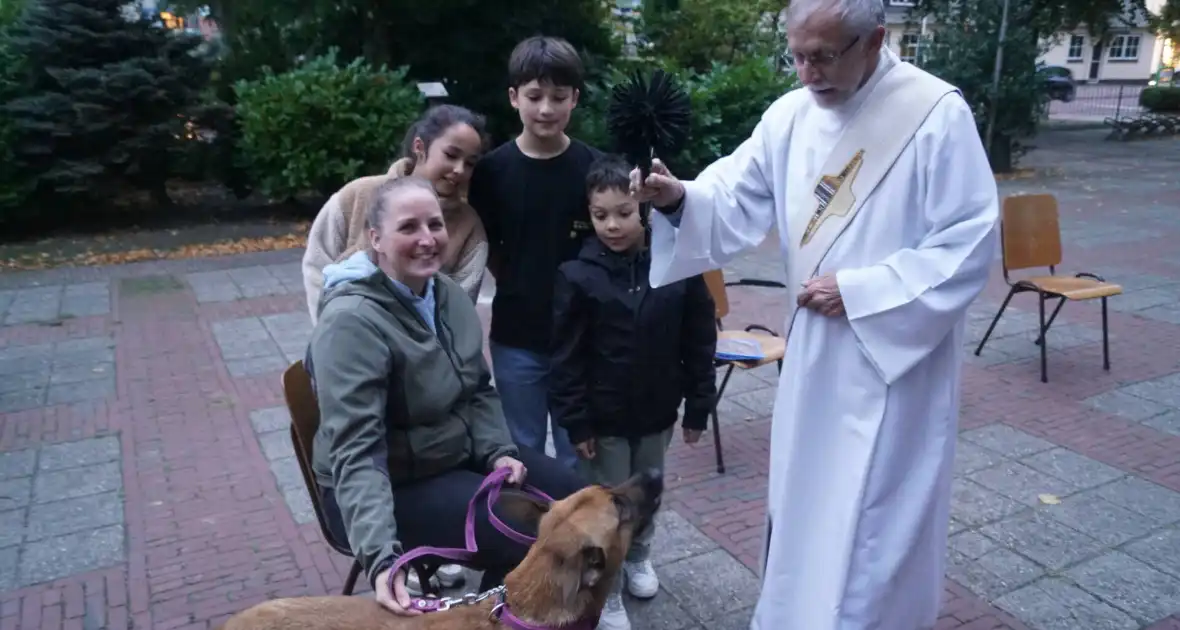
[(503, 614)]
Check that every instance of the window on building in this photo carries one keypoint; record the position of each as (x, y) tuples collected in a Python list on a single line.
[(1124, 48), (1076, 43), (909, 47)]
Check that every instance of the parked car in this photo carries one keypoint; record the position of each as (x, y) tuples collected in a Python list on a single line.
[(1059, 83)]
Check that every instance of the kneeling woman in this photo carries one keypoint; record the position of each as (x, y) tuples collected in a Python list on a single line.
[(410, 423)]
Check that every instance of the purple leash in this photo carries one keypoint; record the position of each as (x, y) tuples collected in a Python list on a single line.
[(491, 487)]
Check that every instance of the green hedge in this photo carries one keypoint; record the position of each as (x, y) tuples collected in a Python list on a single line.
[(1160, 99), (321, 125)]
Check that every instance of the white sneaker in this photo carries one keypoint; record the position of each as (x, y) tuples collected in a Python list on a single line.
[(614, 616), (447, 576), (641, 579)]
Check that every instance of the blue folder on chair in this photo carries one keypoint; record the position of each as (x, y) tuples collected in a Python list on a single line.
[(739, 350)]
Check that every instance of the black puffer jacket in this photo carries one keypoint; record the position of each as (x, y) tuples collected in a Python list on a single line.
[(625, 355)]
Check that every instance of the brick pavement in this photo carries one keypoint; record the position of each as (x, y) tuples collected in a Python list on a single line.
[(145, 480)]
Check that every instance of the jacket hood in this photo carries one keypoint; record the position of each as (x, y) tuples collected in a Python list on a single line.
[(359, 275)]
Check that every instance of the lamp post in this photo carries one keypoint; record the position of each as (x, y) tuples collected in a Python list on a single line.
[(991, 114)]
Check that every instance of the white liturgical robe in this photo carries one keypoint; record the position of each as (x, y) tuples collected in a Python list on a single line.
[(865, 419)]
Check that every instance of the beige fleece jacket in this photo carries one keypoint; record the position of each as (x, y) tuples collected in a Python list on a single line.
[(338, 231)]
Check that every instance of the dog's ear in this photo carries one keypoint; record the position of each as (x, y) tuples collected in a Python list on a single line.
[(521, 507)]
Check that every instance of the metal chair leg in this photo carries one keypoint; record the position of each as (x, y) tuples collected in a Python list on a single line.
[(353, 573), (995, 320), (1044, 343), (717, 421), (1049, 324), (1105, 339)]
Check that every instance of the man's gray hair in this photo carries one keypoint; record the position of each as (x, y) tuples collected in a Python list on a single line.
[(384, 195), (860, 17)]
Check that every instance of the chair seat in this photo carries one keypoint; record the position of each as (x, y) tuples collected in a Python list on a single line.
[(1072, 288), (773, 347)]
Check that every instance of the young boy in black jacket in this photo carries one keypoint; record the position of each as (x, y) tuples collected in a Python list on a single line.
[(624, 357)]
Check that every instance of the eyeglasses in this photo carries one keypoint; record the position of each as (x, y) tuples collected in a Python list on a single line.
[(819, 60)]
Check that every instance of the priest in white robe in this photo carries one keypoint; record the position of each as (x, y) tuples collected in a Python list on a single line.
[(887, 213)]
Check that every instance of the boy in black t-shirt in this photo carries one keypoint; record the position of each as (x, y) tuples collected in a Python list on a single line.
[(530, 194)]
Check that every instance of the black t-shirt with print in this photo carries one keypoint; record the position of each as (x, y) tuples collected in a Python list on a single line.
[(536, 215)]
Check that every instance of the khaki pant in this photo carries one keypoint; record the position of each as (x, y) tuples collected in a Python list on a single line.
[(615, 460)]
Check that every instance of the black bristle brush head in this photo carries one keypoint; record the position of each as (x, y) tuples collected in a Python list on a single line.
[(648, 117)]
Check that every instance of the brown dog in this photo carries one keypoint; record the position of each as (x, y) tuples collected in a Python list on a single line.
[(565, 578)]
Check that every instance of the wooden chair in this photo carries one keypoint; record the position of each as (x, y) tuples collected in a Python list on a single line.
[(773, 346), (1030, 237), (305, 421)]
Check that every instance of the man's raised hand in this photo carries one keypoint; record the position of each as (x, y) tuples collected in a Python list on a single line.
[(661, 188)]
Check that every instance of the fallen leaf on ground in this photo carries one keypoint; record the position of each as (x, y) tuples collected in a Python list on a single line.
[(228, 247), (1049, 499)]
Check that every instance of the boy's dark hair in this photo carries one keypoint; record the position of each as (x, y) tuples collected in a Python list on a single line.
[(609, 172), (436, 121), (546, 60)]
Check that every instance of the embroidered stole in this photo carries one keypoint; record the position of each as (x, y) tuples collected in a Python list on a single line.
[(869, 146)]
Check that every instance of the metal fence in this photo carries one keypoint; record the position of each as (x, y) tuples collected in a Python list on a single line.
[(1097, 103)]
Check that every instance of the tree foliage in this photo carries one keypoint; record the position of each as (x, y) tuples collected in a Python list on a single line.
[(102, 98), (963, 53), (694, 34)]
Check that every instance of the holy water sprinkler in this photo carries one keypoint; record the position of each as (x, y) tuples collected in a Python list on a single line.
[(648, 118)]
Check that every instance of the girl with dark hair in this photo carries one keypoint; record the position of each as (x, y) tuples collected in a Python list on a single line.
[(442, 146)]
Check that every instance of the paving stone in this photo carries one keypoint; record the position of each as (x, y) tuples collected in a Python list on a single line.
[(1098, 518), (276, 445), (256, 282), (79, 453), (1021, 483), (970, 457), (1079, 471), (20, 463), (32, 305), (71, 554), (1164, 390), (1130, 585), (1006, 440), (1121, 403), (711, 585), (96, 389), (68, 516), (1054, 604), (252, 367), (270, 419), (213, 286), (6, 300), (661, 612), (77, 482), (12, 402), (1133, 301), (70, 374), (1168, 422), (974, 505), (737, 620), (1157, 503), (299, 503), (1167, 313), (1042, 539), (12, 527), (676, 539), (993, 573), (15, 493), (9, 557), (287, 473), (84, 300), (759, 401), (1160, 550)]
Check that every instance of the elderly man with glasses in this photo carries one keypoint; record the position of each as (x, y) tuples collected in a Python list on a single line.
[(886, 213)]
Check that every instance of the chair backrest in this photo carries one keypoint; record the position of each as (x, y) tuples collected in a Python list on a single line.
[(715, 280), (1030, 233), (305, 421)]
